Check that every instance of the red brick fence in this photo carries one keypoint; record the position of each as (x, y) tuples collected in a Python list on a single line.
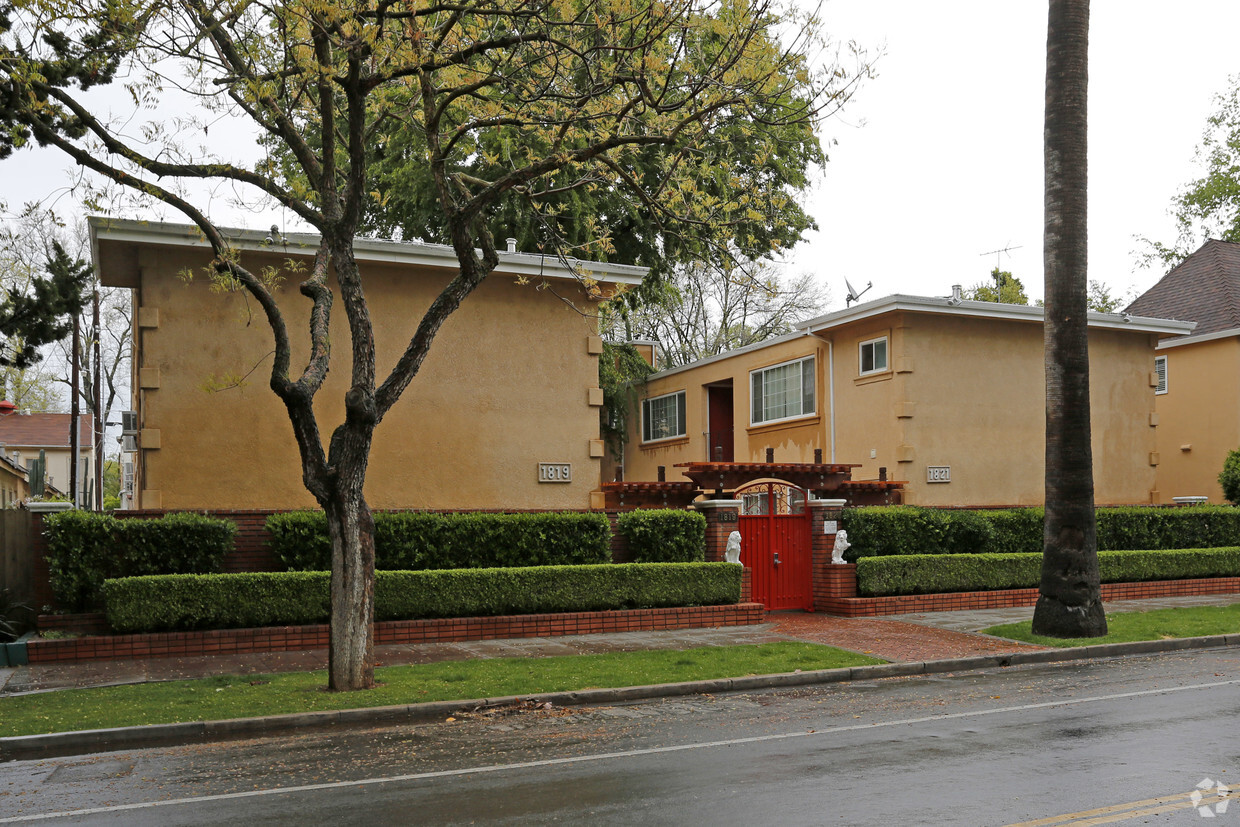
[(293, 638)]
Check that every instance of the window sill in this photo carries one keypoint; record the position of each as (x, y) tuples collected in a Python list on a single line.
[(665, 443), (800, 422), (873, 377)]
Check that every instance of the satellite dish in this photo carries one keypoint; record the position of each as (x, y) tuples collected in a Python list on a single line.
[(853, 295)]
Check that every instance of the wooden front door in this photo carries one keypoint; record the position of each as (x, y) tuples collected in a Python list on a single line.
[(719, 444), (775, 545)]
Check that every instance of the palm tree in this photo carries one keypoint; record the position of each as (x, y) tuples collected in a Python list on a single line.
[(1070, 598)]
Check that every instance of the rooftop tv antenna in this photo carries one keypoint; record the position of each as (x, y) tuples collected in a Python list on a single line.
[(998, 254), (853, 295)]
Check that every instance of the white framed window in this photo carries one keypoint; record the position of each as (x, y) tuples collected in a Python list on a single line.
[(663, 417), (873, 356), (1160, 370), (782, 391)]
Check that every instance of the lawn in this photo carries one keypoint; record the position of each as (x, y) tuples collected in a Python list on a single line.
[(250, 696), (1159, 624)]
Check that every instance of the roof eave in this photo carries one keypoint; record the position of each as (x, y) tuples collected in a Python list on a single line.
[(530, 265)]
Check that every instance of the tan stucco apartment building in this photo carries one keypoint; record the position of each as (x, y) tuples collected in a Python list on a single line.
[(503, 414), (944, 393)]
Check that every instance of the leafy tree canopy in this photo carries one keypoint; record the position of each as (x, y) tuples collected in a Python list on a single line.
[(40, 311), (1004, 288)]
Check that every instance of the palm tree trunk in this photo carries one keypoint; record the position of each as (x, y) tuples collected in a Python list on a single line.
[(1070, 599)]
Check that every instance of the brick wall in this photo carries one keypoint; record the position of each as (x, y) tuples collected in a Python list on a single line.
[(960, 601), (293, 638)]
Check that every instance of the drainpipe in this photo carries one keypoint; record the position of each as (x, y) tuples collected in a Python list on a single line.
[(831, 393)]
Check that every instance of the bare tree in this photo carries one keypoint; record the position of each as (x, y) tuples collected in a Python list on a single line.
[(714, 307)]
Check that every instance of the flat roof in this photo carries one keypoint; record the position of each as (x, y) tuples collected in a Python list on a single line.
[(415, 253)]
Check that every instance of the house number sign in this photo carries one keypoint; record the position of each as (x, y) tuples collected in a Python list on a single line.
[(555, 472), (938, 473)]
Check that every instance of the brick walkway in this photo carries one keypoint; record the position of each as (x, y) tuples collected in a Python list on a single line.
[(893, 640)]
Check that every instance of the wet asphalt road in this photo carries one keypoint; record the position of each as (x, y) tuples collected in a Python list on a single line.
[(995, 747)]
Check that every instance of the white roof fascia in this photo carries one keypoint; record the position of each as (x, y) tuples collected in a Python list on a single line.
[(787, 337), (1204, 337), (933, 304), (988, 310), (415, 253)]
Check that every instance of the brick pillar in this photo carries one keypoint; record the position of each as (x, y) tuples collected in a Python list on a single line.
[(831, 580), (721, 521)]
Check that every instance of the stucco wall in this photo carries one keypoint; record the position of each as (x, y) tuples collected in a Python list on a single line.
[(962, 392), (504, 387), (1197, 417)]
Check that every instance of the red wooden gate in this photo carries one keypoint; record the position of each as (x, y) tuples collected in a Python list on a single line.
[(775, 545)]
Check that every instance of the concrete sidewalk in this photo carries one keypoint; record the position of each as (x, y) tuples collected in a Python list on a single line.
[(896, 638)]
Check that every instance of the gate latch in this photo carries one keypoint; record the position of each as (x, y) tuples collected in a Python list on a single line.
[(777, 558)]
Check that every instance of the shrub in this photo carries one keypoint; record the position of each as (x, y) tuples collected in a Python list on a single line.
[(884, 530), (664, 535), (86, 548), (417, 540), (931, 573), (1230, 477), (169, 602)]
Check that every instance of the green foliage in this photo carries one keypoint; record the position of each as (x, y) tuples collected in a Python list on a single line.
[(1230, 477), (43, 313), (622, 375), (15, 617), (937, 573), (899, 530), (415, 540), (664, 535), (1004, 287), (210, 601), (85, 548)]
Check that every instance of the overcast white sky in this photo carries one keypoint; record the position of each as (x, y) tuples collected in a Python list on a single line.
[(939, 159)]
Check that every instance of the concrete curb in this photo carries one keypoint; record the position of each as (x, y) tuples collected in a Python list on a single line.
[(56, 744)]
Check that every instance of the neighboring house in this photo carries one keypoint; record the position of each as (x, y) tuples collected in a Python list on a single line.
[(23, 435), (14, 486), (946, 394), (1198, 394), (504, 412)]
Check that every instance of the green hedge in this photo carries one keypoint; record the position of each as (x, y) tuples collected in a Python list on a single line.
[(85, 548), (217, 601), (416, 541), (664, 535), (880, 531), (935, 573)]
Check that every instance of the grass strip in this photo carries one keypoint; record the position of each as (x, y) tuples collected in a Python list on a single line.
[(249, 696), (1125, 627)]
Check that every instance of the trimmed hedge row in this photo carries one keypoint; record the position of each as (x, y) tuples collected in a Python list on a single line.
[(85, 548), (664, 535), (879, 531), (218, 601), (937, 573), (416, 541)]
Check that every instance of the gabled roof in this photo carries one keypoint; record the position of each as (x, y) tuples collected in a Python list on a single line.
[(43, 430), (1203, 288)]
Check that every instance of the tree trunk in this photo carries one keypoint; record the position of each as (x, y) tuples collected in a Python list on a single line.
[(1070, 599), (352, 532)]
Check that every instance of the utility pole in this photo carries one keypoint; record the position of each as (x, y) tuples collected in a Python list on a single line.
[(98, 335), (75, 431)]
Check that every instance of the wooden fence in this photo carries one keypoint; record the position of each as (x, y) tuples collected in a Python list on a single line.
[(17, 554)]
